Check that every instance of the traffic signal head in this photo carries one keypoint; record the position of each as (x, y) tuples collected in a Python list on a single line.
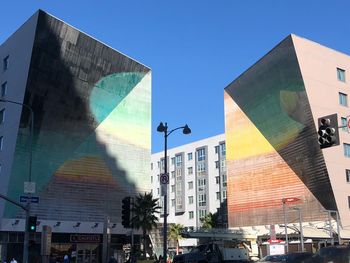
[(32, 224), (328, 133), (126, 205)]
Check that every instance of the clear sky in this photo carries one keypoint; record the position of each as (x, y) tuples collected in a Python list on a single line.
[(195, 48)]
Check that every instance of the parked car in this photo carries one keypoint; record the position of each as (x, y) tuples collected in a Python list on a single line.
[(297, 257), (334, 254)]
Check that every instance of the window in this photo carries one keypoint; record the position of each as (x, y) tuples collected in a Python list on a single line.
[(157, 177), (173, 174), (158, 164), (178, 160), (217, 195), (347, 172), (5, 64), (223, 149), (173, 160), (343, 99), (202, 199), (190, 185), (3, 89), (224, 180), (2, 116), (178, 174), (189, 156), (346, 149), (341, 74), (202, 213), (190, 215), (179, 188), (190, 199), (151, 179), (201, 154), (172, 202), (216, 149), (173, 188), (217, 179), (224, 194), (201, 168), (201, 184), (190, 170), (344, 126), (179, 202), (217, 164), (158, 191), (349, 201), (1, 142)]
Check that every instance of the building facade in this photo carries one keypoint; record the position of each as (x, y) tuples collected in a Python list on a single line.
[(90, 142), (271, 122), (197, 180)]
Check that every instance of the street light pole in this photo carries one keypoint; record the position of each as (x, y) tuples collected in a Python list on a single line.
[(301, 228), (285, 225), (164, 128), (27, 210)]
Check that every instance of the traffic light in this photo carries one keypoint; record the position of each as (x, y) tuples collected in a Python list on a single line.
[(126, 205), (328, 133), (32, 224)]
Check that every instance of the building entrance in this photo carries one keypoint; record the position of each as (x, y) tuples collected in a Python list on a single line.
[(87, 253)]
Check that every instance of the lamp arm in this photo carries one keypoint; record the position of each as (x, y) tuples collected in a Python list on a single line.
[(178, 128)]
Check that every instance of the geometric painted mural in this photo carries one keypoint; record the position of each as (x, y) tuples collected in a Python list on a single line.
[(92, 127), (271, 143)]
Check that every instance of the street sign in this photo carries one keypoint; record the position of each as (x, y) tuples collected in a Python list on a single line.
[(32, 199), (164, 178), (290, 199), (29, 187)]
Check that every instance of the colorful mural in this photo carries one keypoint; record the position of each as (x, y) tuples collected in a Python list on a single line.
[(272, 152), (92, 127)]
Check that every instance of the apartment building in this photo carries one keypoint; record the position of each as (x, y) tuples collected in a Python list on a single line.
[(197, 181)]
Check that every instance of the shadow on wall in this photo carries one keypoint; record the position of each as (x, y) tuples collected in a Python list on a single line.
[(76, 149)]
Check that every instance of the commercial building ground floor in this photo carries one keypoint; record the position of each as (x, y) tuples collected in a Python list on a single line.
[(79, 247)]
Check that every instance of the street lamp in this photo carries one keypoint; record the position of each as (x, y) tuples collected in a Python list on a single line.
[(285, 201), (164, 129), (27, 210)]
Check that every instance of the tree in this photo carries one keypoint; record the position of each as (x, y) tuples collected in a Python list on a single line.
[(144, 209), (210, 221), (175, 231)]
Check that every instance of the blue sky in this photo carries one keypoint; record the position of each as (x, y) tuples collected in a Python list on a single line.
[(195, 48)]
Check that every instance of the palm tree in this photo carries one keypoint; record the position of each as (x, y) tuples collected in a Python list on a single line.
[(175, 231), (210, 221), (144, 209)]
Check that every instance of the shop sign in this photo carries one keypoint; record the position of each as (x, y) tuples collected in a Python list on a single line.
[(85, 238)]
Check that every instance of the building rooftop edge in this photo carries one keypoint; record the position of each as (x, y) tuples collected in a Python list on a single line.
[(40, 10), (184, 145)]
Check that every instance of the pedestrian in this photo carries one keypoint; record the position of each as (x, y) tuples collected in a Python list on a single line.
[(13, 260), (66, 259)]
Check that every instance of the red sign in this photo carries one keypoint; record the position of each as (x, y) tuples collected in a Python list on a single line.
[(274, 241), (290, 199)]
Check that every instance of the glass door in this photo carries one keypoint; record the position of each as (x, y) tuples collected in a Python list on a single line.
[(87, 253)]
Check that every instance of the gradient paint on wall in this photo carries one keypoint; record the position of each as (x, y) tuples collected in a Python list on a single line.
[(272, 152), (92, 127)]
